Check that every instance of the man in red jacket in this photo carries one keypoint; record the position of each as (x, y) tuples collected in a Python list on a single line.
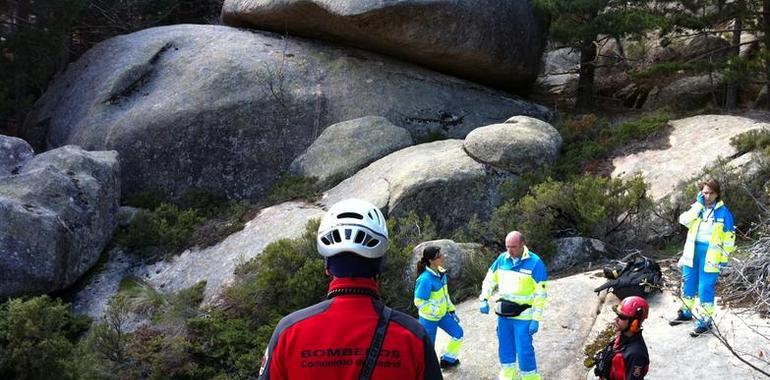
[(626, 357), (352, 334)]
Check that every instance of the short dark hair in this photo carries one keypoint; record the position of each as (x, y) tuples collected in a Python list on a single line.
[(713, 184)]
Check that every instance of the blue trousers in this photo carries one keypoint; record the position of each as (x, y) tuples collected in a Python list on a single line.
[(696, 281), (448, 324), (515, 342)]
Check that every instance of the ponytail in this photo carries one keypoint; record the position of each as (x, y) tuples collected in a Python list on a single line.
[(429, 253), (421, 267)]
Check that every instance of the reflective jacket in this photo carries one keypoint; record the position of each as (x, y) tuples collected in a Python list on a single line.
[(329, 340), (431, 295), (523, 282), (722, 242)]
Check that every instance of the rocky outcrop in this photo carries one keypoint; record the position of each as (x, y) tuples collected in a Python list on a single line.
[(576, 251), (455, 257), (693, 144), (521, 144), (345, 147), (560, 72), (436, 179), (494, 42), (15, 152), (215, 264), (225, 110), (686, 93), (56, 216)]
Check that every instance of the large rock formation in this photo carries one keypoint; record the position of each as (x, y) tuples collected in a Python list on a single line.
[(56, 216), (345, 147), (227, 110), (437, 179), (15, 152), (489, 41), (521, 144), (686, 93), (455, 257), (693, 144)]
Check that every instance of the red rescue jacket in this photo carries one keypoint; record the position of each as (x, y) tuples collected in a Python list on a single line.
[(329, 340), (631, 360)]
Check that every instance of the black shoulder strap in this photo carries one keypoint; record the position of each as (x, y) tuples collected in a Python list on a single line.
[(374, 348)]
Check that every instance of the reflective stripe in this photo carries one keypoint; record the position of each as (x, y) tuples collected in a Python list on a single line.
[(721, 243)]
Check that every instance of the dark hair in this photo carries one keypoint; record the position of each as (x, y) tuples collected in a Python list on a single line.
[(429, 253), (713, 185)]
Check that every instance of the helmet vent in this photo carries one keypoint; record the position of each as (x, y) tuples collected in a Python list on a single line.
[(336, 236), (348, 232), (372, 243), (325, 240), (360, 235), (353, 215)]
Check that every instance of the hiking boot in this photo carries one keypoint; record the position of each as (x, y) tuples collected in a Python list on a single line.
[(446, 364), (681, 317), (700, 330)]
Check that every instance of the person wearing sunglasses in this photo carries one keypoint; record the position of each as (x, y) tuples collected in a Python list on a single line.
[(626, 356), (435, 307)]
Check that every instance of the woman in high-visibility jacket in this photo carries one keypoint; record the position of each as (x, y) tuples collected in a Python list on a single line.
[(710, 241), (431, 296)]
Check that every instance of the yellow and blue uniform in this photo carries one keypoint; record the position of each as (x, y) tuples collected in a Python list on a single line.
[(524, 282), (431, 296), (710, 241)]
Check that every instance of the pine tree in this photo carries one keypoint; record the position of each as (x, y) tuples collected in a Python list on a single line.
[(579, 24)]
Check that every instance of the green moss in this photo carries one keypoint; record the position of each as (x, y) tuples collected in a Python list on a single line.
[(601, 341)]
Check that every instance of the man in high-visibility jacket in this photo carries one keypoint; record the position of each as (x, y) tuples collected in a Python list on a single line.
[(520, 278), (710, 241)]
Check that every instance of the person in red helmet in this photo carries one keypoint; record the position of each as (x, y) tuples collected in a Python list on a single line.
[(626, 357), (352, 334)]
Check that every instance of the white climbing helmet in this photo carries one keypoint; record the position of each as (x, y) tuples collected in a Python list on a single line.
[(353, 225)]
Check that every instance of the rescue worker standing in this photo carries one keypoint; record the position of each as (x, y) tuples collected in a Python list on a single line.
[(626, 357), (431, 296), (352, 334), (710, 241), (520, 277)]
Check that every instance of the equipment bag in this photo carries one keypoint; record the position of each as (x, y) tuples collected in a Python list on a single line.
[(641, 276), (509, 309)]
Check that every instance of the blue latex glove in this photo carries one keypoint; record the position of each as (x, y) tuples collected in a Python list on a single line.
[(533, 327), (454, 316), (700, 198), (484, 309)]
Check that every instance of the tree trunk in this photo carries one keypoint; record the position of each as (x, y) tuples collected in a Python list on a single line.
[(731, 97), (585, 91), (766, 27)]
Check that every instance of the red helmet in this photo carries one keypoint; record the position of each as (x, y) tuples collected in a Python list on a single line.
[(633, 307)]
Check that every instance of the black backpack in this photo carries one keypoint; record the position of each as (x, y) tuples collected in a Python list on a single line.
[(636, 276)]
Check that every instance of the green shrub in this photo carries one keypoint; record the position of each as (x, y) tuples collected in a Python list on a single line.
[(639, 129), (468, 284), (587, 206), (37, 340), (588, 139), (148, 200), (168, 229), (291, 187), (751, 140), (743, 191)]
